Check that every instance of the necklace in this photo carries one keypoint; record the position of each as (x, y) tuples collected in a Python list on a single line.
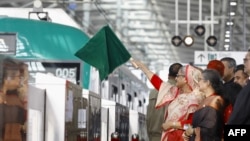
[(204, 105)]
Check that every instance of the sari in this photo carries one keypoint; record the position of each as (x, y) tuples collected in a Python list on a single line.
[(181, 105)]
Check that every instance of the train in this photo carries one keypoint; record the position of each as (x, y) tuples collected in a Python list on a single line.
[(61, 106)]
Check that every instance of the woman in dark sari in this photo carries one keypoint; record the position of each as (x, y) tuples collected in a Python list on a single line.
[(207, 122)]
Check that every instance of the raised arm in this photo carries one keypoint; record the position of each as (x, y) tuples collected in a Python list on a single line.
[(154, 79), (141, 66)]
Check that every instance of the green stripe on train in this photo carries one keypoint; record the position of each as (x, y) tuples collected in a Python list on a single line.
[(46, 41)]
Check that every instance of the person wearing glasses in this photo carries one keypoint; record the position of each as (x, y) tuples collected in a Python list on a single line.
[(183, 99), (241, 108), (155, 117)]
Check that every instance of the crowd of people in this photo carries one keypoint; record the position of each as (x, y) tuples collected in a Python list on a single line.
[(195, 104)]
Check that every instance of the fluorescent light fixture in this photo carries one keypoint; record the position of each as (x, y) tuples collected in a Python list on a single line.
[(226, 47), (233, 3), (227, 35), (232, 13), (230, 23), (227, 40), (227, 32)]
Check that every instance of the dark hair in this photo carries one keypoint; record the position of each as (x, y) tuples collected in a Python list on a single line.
[(231, 62), (8, 65), (241, 67), (173, 69), (215, 80)]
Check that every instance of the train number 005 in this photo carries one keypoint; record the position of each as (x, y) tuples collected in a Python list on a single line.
[(66, 72)]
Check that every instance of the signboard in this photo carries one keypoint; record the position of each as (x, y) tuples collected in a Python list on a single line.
[(203, 57), (68, 70), (8, 43)]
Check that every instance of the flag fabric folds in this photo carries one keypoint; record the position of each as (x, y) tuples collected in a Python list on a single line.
[(104, 51)]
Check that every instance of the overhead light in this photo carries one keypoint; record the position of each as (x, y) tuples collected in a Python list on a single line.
[(233, 3), (188, 40), (226, 47), (232, 13), (200, 30), (230, 23), (227, 35), (211, 40), (176, 41), (227, 40)]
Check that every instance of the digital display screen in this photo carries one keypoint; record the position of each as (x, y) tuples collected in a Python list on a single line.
[(70, 71)]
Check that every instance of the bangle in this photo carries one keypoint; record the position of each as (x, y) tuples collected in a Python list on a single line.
[(185, 133)]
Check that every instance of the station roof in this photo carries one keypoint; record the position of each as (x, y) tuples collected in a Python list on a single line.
[(146, 27)]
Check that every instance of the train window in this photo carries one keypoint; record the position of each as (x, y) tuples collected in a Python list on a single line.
[(123, 87), (135, 94), (129, 97), (114, 89), (140, 103), (8, 43)]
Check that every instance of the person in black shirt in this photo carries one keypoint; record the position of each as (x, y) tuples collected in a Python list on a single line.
[(241, 109), (240, 76), (228, 78)]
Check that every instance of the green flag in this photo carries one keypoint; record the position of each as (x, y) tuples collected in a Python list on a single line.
[(104, 51)]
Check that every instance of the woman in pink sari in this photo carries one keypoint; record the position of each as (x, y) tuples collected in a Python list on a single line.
[(183, 99)]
